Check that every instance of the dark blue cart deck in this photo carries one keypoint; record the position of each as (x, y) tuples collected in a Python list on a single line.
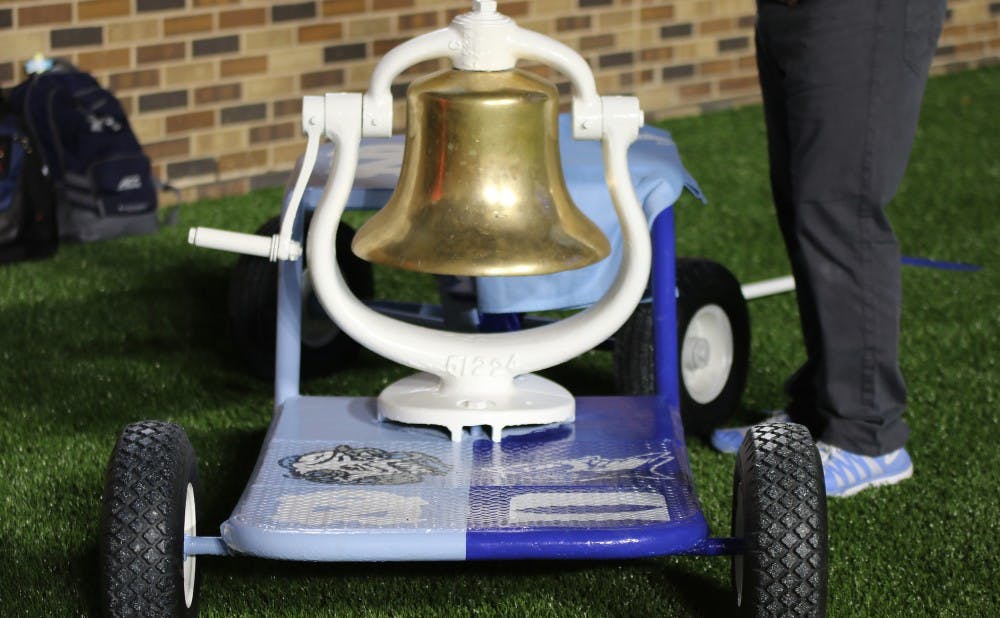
[(335, 484)]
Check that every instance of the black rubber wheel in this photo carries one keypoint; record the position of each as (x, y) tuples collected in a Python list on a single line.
[(253, 310), (713, 346), (147, 507), (779, 510)]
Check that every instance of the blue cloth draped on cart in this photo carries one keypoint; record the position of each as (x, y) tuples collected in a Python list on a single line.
[(657, 174)]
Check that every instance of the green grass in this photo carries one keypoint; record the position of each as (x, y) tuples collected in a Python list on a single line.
[(114, 332)]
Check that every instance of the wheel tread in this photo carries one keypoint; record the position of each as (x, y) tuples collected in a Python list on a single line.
[(138, 550), (786, 551)]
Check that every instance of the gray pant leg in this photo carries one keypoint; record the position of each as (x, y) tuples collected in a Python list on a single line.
[(842, 83)]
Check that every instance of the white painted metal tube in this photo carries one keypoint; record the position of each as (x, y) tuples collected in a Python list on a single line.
[(768, 287), (378, 100), (236, 242), (587, 105)]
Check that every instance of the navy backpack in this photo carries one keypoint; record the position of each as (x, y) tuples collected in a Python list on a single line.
[(27, 198), (103, 181)]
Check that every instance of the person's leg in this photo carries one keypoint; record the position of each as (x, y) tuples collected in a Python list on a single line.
[(801, 386), (852, 74)]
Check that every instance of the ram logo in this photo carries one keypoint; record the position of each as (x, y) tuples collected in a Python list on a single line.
[(347, 465)]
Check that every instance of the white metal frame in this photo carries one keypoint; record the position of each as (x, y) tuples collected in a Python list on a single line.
[(466, 379)]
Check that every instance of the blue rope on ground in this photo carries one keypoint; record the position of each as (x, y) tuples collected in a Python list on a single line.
[(929, 263)]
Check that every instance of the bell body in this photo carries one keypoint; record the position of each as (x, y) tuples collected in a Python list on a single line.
[(481, 191)]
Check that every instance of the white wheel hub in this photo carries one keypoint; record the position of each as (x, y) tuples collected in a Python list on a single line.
[(707, 353), (190, 529)]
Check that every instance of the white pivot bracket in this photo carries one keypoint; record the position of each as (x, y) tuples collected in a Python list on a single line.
[(280, 246)]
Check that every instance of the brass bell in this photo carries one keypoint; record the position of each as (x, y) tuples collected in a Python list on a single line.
[(481, 191)]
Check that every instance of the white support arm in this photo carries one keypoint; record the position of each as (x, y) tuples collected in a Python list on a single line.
[(312, 126)]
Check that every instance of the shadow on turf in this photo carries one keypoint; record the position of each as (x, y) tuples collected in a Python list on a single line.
[(116, 356), (698, 594), (647, 586), (226, 459)]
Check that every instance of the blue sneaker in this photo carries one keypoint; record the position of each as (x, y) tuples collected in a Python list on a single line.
[(728, 440), (847, 473)]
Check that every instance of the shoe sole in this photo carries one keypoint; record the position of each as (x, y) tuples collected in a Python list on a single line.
[(885, 480), (735, 449), (727, 450)]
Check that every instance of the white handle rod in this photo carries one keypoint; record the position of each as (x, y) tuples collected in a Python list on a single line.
[(768, 287), (236, 242)]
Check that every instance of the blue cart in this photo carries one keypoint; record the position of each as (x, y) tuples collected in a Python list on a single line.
[(332, 483), (556, 477)]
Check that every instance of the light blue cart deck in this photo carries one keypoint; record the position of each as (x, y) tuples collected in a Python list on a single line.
[(335, 484)]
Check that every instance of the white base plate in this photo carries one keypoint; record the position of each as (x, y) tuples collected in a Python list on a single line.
[(532, 400)]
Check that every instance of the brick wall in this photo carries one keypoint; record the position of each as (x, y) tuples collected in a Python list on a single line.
[(213, 86)]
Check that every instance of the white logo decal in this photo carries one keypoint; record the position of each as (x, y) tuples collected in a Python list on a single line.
[(349, 507), (604, 507), (99, 123), (592, 468), (130, 183)]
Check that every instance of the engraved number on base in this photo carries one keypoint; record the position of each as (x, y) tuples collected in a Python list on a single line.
[(480, 366)]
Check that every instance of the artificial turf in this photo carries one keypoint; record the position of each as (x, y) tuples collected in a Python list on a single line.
[(113, 332)]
